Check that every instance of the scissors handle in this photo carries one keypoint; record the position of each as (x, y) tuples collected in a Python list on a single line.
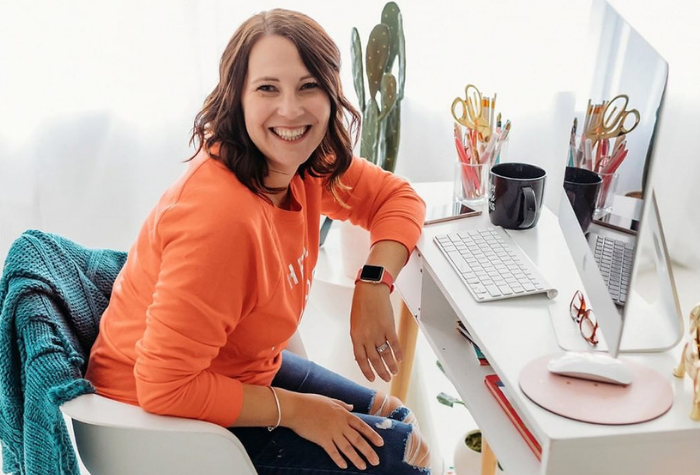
[(622, 130), (612, 121), (463, 118)]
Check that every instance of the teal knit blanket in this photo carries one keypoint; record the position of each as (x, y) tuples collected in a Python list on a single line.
[(52, 295)]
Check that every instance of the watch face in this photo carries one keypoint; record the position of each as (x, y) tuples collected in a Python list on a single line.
[(372, 273)]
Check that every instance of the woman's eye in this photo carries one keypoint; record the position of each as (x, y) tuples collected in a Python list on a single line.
[(266, 88), (311, 85)]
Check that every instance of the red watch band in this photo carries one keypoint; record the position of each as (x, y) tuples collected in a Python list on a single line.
[(385, 277)]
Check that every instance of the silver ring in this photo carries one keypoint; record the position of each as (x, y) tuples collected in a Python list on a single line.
[(383, 347)]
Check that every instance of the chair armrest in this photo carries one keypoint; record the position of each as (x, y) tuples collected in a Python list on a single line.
[(115, 438), (94, 409), (99, 410)]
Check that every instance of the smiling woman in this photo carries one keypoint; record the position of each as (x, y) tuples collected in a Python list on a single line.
[(218, 278), (286, 110), (284, 82)]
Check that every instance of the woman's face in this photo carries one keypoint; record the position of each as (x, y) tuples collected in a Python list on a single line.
[(286, 111)]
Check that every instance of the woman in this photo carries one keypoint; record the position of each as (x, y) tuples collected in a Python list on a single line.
[(217, 280)]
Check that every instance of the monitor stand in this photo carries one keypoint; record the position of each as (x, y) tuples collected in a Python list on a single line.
[(652, 317), (648, 396)]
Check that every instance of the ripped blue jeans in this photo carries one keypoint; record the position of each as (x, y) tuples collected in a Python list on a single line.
[(283, 452)]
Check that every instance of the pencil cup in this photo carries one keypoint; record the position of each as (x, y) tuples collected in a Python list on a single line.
[(606, 196), (502, 155), (470, 183)]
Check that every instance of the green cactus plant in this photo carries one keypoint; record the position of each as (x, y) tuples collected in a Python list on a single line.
[(381, 120)]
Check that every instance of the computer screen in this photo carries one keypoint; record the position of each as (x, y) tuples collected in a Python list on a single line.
[(626, 237)]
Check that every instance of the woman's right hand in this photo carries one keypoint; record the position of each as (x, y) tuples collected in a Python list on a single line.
[(329, 423)]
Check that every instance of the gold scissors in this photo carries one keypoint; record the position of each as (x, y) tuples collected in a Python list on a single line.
[(471, 111), (612, 122)]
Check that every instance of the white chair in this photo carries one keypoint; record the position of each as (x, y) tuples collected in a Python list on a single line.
[(113, 438)]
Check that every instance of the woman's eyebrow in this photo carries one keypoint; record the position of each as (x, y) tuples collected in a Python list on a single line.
[(274, 79), (266, 79)]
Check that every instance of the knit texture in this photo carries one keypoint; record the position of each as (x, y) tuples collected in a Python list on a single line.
[(52, 295)]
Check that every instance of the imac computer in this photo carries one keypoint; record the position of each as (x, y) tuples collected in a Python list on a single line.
[(647, 318)]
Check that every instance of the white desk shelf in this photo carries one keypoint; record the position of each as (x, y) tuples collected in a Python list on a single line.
[(512, 333), (457, 357)]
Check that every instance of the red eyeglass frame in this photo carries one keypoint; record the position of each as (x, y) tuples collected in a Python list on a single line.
[(584, 316)]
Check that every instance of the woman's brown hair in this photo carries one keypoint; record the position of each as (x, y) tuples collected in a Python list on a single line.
[(221, 119)]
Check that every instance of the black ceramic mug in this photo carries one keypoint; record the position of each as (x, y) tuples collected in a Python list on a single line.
[(582, 187), (515, 195)]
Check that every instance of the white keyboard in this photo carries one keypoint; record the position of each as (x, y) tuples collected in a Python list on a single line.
[(492, 265), (614, 258)]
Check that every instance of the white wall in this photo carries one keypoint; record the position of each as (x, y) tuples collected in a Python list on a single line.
[(673, 30), (97, 98)]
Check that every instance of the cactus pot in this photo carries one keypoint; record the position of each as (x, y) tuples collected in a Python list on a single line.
[(466, 460)]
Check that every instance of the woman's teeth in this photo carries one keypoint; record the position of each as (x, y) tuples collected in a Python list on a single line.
[(289, 134)]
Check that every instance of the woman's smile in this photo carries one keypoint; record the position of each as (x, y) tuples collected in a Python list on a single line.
[(290, 134)]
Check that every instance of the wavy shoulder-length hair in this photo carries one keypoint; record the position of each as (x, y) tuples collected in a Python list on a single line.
[(221, 119)]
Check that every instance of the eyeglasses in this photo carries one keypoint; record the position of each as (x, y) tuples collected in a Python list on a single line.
[(584, 317)]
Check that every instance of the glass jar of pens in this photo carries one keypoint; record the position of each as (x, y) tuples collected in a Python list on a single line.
[(479, 139), (602, 146)]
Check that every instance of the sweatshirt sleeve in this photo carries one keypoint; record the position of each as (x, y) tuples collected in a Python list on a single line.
[(379, 201), (203, 290)]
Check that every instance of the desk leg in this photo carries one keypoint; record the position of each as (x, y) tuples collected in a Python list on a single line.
[(488, 458), (407, 333)]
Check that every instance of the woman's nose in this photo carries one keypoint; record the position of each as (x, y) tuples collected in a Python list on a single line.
[(290, 106)]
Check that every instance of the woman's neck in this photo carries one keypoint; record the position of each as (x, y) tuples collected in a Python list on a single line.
[(280, 180), (280, 199)]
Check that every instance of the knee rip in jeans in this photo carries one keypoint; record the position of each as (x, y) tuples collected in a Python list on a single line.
[(393, 408), (416, 450), (417, 453), (387, 406)]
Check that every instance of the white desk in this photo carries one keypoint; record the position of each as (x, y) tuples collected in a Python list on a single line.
[(513, 332)]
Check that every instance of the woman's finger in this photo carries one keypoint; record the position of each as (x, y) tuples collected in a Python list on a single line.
[(367, 432), (346, 447), (344, 404), (362, 446), (375, 358), (393, 340), (390, 361), (361, 358), (333, 453)]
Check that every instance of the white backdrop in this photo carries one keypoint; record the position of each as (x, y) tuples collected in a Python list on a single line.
[(97, 98)]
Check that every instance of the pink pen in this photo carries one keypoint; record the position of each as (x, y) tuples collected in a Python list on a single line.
[(614, 164), (619, 146), (604, 148), (460, 151), (472, 151)]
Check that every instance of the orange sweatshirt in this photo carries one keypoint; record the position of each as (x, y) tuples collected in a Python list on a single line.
[(217, 280)]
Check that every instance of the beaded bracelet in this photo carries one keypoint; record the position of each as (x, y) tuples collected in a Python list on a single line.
[(279, 411)]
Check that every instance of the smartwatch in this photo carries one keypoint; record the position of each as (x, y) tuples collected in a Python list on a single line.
[(375, 275)]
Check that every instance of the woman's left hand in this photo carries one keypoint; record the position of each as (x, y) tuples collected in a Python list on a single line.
[(372, 329)]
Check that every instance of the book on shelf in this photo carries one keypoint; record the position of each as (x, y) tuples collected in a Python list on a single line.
[(462, 330), (497, 389)]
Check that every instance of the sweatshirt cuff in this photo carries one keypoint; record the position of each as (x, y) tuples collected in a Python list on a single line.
[(227, 403), (399, 230)]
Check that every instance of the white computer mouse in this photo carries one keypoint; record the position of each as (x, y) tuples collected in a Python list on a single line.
[(591, 366)]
